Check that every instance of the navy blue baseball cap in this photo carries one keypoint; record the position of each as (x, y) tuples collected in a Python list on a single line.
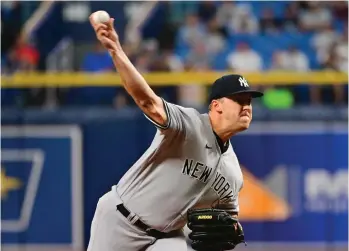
[(228, 85)]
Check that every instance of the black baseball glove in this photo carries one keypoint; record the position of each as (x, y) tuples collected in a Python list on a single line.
[(214, 230)]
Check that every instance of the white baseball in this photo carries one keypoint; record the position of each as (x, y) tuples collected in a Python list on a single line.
[(101, 16)]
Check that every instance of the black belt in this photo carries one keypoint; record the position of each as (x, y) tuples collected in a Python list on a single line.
[(151, 231)]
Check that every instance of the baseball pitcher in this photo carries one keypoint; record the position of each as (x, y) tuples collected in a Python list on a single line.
[(182, 193)]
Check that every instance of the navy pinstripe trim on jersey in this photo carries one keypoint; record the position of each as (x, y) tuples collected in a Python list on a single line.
[(164, 127)]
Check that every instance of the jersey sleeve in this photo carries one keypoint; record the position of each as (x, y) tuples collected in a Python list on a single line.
[(178, 118), (232, 206)]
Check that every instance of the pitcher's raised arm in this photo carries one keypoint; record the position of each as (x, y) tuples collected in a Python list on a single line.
[(134, 83)]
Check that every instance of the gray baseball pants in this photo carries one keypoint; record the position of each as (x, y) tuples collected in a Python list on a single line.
[(111, 231)]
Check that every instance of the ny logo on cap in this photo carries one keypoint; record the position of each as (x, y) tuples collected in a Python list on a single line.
[(243, 82)]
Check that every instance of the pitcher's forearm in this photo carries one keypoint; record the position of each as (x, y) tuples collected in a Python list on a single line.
[(132, 80), (138, 88)]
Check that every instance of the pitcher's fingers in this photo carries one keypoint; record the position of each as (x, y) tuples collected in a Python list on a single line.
[(101, 34), (111, 23), (101, 26)]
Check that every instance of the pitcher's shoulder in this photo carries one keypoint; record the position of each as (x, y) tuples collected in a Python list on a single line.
[(189, 112)]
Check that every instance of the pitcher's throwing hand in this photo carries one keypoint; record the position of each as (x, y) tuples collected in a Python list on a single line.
[(105, 32)]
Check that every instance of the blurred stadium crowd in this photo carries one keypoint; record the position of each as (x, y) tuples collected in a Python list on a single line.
[(241, 36)]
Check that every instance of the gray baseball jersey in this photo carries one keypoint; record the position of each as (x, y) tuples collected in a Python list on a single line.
[(183, 168)]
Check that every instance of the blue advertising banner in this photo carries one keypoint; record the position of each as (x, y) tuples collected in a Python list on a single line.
[(41, 193), (296, 181)]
